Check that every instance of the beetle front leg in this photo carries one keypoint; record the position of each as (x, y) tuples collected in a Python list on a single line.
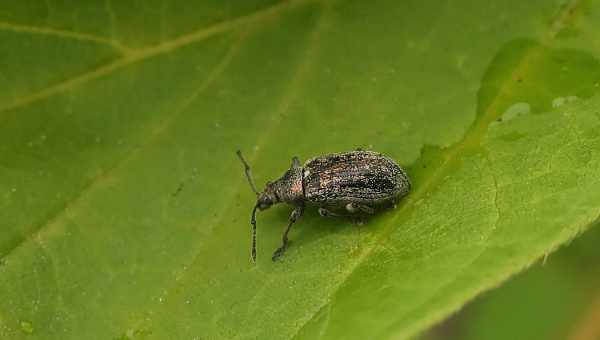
[(296, 214)]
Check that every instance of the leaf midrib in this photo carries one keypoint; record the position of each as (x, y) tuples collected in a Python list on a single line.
[(471, 138)]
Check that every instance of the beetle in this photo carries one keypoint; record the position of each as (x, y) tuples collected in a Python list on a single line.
[(351, 183)]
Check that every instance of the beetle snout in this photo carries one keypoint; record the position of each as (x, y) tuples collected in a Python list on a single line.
[(264, 202)]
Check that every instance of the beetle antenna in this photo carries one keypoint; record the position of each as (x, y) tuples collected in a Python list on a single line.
[(253, 222), (248, 175)]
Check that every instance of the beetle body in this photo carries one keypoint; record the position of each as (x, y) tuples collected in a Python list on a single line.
[(358, 177), (341, 184)]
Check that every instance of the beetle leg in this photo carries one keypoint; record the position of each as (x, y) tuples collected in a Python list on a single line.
[(355, 207), (394, 202), (326, 213), (296, 214), (356, 219), (295, 162)]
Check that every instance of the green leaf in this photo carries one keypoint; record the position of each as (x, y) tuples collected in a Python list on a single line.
[(556, 299), (125, 213)]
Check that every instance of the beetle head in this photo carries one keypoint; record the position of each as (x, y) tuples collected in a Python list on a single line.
[(266, 198)]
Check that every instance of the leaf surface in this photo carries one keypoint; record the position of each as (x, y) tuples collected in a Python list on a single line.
[(125, 210)]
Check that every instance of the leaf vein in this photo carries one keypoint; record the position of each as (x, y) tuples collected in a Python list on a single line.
[(154, 130), (136, 55), (472, 137), (64, 34)]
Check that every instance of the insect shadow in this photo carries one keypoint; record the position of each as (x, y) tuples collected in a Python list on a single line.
[(315, 230)]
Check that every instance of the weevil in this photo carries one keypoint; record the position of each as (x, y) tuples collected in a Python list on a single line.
[(349, 184)]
